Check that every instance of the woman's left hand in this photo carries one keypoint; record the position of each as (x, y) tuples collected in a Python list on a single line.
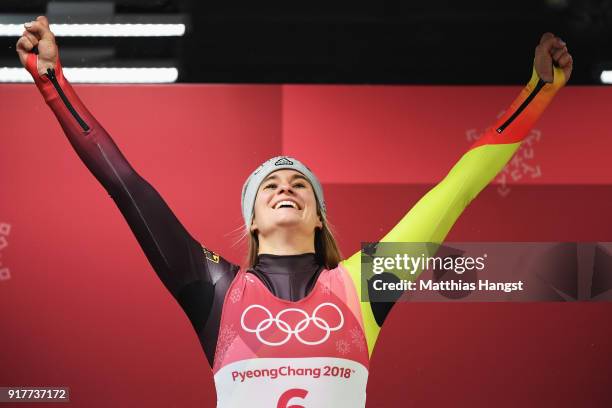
[(552, 49)]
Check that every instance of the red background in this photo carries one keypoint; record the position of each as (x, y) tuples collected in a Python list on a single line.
[(84, 309)]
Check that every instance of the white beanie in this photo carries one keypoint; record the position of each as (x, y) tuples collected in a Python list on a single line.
[(249, 190)]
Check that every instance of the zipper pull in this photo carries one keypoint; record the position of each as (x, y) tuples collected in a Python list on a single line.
[(51, 74), (520, 109)]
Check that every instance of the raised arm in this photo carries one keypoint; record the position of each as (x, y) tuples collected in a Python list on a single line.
[(433, 216), (196, 277)]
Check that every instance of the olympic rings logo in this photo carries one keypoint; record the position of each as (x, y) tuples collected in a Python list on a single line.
[(283, 326)]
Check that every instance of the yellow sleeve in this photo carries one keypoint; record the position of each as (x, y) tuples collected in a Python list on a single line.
[(434, 214)]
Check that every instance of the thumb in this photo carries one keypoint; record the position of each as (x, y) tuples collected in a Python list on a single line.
[(28, 56), (24, 47)]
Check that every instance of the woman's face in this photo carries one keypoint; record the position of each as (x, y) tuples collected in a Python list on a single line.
[(285, 199)]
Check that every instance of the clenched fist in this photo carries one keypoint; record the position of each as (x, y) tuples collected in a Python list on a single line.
[(38, 34), (551, 50)]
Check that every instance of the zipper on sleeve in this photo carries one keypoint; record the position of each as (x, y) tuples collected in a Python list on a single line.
[(526, 102), (75, 114)]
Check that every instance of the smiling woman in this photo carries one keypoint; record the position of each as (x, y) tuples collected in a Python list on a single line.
[(289, 328), (287, 200), (286, 214)]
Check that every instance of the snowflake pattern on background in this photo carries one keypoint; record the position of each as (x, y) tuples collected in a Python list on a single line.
[(5, 230), (224, 341), (235, 295), (520, 166), (357, 338), (342, 347)]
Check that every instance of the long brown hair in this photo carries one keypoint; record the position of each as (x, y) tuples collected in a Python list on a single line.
[(326, 248)]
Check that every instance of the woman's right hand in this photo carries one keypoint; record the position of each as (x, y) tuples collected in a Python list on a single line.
[(38, 34)]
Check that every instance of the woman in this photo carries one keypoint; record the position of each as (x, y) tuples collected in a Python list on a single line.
[(290, 328)]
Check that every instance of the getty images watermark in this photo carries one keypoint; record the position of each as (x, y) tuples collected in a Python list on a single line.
[(486, 271), (5, 230)]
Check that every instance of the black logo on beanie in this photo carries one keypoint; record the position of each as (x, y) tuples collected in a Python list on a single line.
[(283, 161)]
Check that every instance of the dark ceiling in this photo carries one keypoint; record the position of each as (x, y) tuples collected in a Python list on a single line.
[(434, 42)]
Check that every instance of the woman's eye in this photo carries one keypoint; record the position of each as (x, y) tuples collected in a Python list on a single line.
[(274, 185)]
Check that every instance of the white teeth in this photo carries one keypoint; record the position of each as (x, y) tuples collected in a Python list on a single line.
[(286, 202)]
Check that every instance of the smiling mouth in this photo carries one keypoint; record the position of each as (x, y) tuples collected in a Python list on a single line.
[(286, 204)]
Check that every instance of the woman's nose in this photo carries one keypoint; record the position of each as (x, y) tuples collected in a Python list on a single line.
[(285, 187)]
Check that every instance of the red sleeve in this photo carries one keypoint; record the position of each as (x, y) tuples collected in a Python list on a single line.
[(196, 277)]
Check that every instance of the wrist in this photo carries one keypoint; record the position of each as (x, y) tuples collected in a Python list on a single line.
[(39, 69), (43, 81), (557, 83)]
